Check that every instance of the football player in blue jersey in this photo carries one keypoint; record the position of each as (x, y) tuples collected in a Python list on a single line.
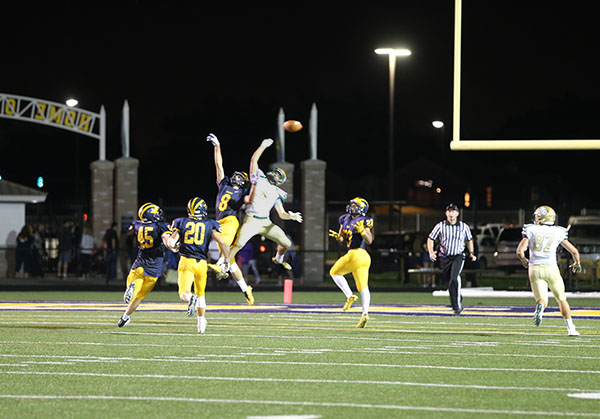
[(152, 233), (230, 199), (191, 235), (356, 230)]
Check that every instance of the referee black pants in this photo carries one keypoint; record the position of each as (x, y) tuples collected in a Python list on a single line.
[(451, 267)]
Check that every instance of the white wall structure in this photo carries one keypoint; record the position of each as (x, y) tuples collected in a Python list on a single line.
[(13, 198)]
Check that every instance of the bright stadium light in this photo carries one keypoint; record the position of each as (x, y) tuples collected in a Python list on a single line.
[(437, 124), (72, 102), (392, 53)]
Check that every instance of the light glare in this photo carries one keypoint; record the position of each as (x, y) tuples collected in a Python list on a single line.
[(391, 51), (72, 102), (437, 124)]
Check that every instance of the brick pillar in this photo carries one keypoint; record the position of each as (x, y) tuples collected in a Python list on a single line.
[(126, 205), (102, 198), (126, 190), (314, 233)]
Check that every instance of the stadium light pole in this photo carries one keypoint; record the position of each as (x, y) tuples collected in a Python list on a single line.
[(392, 53)]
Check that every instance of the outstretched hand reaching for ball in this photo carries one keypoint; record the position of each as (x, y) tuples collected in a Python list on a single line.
[(212, 138), (267, 142)]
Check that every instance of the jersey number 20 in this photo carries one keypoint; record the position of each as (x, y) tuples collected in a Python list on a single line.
[(194, 233)]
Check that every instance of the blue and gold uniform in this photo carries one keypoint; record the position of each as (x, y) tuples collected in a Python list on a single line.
[(147, 266), (194, 238), (229, 201), (357, 260)]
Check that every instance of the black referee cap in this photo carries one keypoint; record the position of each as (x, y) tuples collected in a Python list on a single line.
[(452, 207)]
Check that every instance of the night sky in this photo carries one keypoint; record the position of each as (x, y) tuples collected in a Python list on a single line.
[(529, 71)]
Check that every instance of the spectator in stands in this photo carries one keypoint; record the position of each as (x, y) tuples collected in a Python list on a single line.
[(38, 251), (24, 252), (65, 248), (86, 247), (111, 245)]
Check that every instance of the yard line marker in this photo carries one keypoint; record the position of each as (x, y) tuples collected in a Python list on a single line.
[(299, 403), (296, 380)]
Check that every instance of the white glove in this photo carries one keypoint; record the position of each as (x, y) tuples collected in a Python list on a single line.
[(213, 139), (295, 216), (224, 265), (267, 142), (173, 245)]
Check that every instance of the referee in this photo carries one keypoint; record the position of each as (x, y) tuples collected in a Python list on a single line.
[(452, 235)]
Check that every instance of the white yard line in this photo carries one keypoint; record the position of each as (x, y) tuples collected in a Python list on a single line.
[(31, 397), (387, 350), (74, 358), (299, 380)]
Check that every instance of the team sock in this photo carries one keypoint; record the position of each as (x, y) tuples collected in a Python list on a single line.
[(341, 282), (365, 299)]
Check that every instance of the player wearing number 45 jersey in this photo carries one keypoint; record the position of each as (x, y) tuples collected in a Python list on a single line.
[(152, 233), (542, 238), (230, 199), (191, 236)]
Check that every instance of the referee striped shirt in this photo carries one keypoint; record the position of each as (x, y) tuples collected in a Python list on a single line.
[(452, 237)]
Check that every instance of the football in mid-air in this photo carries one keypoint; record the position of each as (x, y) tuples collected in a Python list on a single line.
[(292, 126)]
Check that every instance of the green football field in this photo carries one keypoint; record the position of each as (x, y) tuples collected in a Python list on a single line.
[(62, 356)]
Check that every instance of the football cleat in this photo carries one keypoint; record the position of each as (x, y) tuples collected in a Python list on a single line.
[(123, 322), (192, 305), (249, 296), (283, 264), (458, 311), (573, 332), (202, 325), (363, 321), (537, 316), (128, 295), (213, 267), (349, 302)]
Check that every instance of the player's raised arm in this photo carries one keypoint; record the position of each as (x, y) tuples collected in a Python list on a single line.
[(266, 143), (212, 138)]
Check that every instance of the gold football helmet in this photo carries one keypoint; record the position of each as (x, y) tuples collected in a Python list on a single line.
[(544, 215)]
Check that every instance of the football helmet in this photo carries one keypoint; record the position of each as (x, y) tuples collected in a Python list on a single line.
[(150, 212), (276, 176), (357, 206), (544, 215), (239, 179), (197, 208)]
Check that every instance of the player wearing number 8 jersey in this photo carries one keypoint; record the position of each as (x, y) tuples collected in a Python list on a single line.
[(230, 199), (542, 239), (192, 235), (151, 232)]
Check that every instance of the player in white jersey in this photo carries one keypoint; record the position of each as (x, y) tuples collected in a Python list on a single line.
[(542, 239), (265, 194)]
